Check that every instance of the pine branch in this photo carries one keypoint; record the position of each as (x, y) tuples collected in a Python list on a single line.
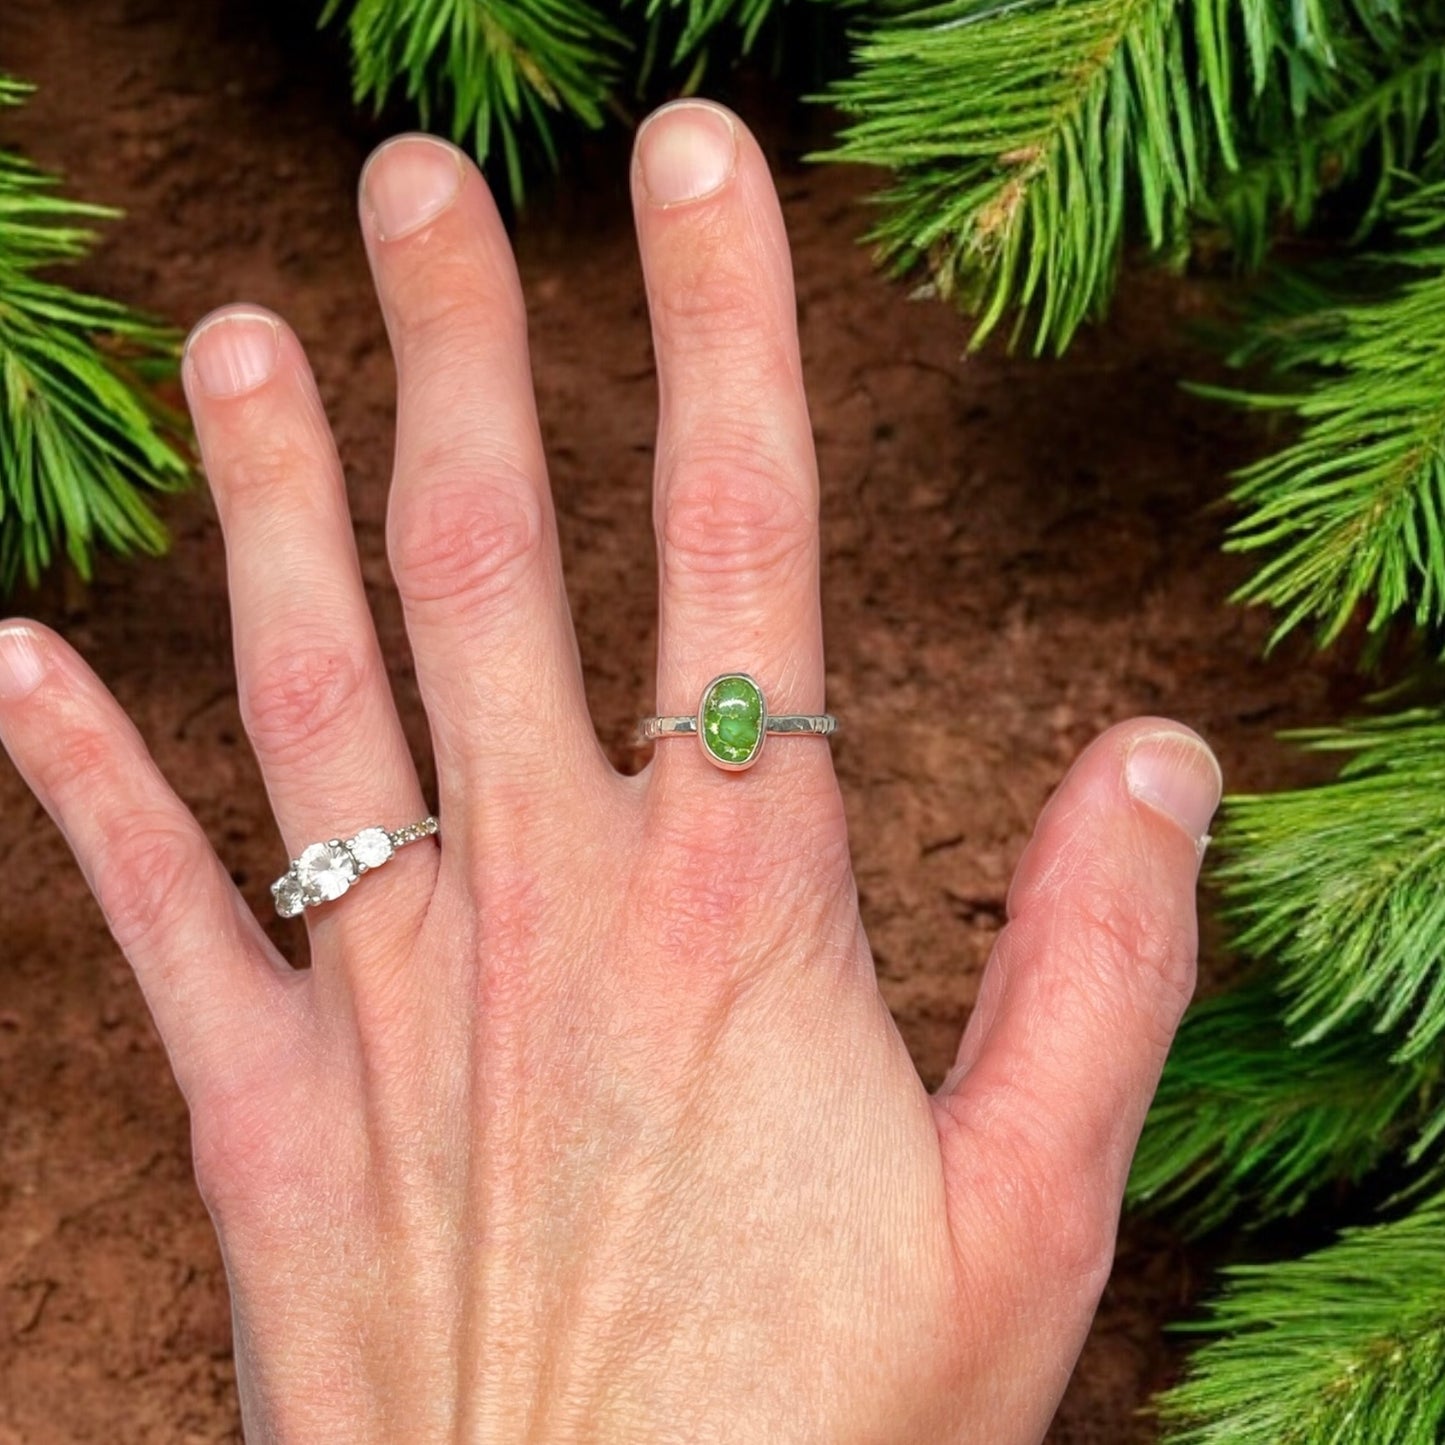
[(1343, 1347), (495, 69), (1352, 512), (83, 440), (1248, 1119), (1343, 885), (1376, 119), (1007, 124), (1031, 138)]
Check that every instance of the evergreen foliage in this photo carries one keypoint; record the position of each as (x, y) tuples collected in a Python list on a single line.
[(83, 442), (1352, 511), (1374, 126), (501, 72), (1343, 1346), (1008, 127), (1031, 139), (1343, 886), (488, 67), (1250, 1121)]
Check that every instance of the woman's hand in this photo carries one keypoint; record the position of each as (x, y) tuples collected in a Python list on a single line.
[(589, 1124)]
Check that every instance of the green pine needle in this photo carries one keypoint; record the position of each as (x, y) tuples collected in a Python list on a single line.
[(1032, 138), (1352, 512), (83, 441), (496, 70), (1343, 1347), (1011, 127), (1376, 120), (1249, 1122), (1343, 886), (702, 19)]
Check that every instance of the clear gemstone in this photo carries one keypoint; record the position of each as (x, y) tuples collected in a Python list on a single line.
[(326, 871), (287, 893), (371, 847)]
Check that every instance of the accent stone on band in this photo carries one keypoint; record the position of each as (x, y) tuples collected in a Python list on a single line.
[(415, 832), (730, 720), (371, 848), (286, 891)]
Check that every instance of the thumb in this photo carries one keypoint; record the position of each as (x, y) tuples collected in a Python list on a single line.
[(1041, 1113)]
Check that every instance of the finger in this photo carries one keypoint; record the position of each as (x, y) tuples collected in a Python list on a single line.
[(215, 987), (1042, 1111), (472, 534), (735, 492), (313, 686)]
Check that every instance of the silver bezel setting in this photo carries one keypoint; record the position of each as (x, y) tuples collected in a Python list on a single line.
[(757, 752)]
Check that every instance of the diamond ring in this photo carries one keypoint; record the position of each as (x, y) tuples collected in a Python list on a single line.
[(325, 871), (732, 722)]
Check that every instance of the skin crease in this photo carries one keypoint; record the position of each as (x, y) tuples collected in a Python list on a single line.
[(589, 1123)]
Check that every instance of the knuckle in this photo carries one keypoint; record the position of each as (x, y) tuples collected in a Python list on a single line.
[(262, 1166), (270, 464), (296, 696), (1132, 945), (81, 762), (151, 866), (1078, 1238), (705, 289), (739, 885), (465, 539), (235, 1153), (453, 306), (708, 298), (1036, 1191), (724, 517)]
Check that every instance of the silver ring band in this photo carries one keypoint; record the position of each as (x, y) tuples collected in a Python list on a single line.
[(819, 724), (732, 722), (325, 871)]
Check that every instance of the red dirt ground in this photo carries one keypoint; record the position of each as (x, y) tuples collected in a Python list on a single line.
[(1016, 556)]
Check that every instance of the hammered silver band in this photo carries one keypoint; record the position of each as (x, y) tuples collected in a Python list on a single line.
[(818, 724), (325, 871)]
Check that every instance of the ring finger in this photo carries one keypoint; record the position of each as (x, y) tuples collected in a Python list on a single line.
[(312, 683), (735, 494)]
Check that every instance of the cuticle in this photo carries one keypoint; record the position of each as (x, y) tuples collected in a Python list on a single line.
[(221, 315)]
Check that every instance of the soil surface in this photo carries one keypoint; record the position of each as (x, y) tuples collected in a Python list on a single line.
[(1016, 555)]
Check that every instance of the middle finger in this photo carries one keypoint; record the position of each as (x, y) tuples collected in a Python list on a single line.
[(472, 532)]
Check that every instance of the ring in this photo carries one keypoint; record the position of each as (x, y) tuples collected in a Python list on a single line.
[(325, 871), (732, 722)]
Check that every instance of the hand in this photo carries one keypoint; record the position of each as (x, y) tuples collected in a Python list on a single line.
[(589, 1123)]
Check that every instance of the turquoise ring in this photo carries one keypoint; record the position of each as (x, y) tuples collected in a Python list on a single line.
[(732, 722)]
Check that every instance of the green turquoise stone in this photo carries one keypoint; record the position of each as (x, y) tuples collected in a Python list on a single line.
[(732, 720)]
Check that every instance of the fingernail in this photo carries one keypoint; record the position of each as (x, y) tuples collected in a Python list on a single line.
[(1175, 773), (686, 150), (21, 665), (234, 352), (410, 181)]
